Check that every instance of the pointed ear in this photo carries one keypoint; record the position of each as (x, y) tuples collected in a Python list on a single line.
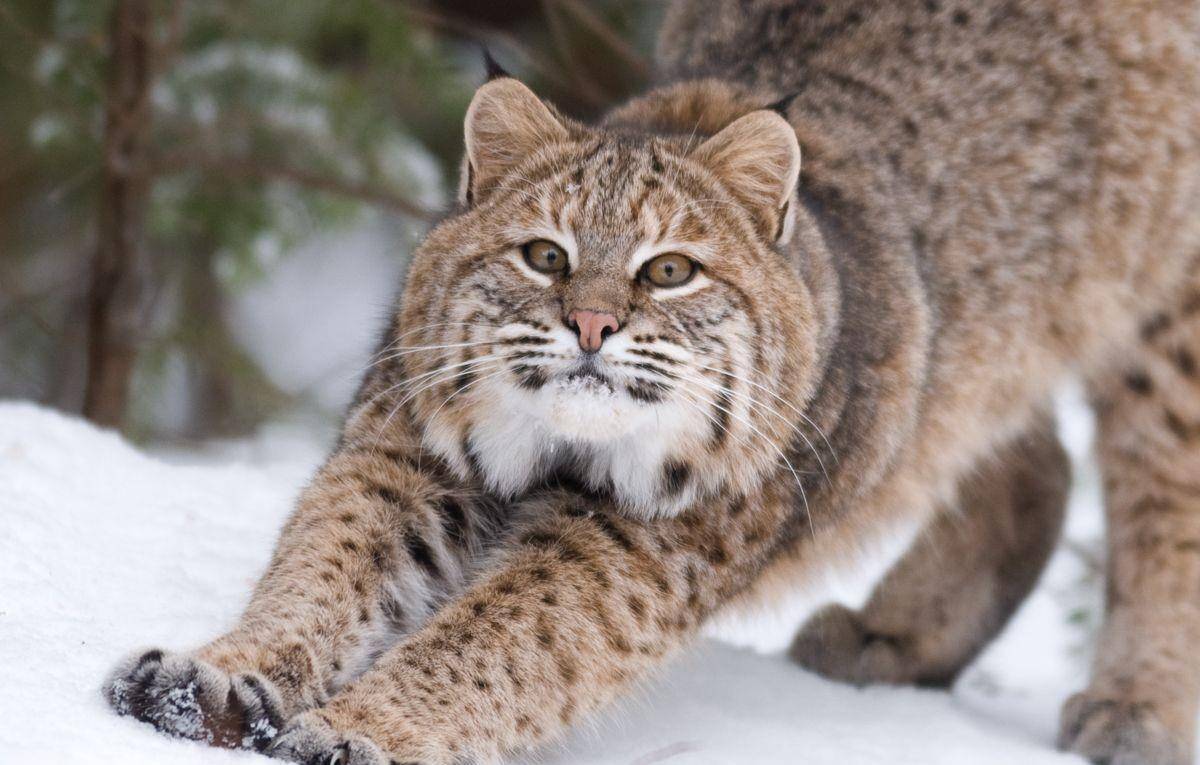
[(505, 124), (758, 157)]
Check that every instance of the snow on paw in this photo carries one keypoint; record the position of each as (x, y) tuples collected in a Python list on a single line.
[(310, 740), (836, 644), (184, 697), (1115, 731)]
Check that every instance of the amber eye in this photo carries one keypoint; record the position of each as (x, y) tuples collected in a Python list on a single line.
[(545, 257), (670, 270)]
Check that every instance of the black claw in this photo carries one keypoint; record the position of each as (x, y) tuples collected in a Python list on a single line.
[(340, 756), (273, 714), (140, 699), (155, 656), (260, 738)]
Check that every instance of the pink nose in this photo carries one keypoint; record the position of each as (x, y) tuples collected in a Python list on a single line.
[(592, 327)]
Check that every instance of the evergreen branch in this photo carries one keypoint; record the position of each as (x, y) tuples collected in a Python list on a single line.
[(599, 27), (251, 168), (494, 38)]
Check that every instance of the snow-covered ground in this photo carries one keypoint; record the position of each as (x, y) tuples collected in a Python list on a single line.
[(104, 548)]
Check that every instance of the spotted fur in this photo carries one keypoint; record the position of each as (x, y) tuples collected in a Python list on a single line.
[(511, 533)]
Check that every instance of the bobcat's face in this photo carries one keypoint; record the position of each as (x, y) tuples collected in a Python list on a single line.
[(608, 307)]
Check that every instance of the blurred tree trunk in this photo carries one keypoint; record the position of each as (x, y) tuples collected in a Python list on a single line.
[(115, 303), (221, 375)]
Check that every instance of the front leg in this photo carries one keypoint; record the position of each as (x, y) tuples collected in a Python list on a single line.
[(583, 604), (378, 540)]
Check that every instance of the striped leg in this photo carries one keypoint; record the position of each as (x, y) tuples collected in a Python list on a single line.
[(1142, 702)]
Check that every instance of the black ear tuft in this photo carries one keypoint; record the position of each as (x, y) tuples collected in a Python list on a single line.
[(781, 106), (492, 66)]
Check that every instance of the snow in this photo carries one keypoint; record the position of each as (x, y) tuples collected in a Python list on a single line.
[(104, 548)]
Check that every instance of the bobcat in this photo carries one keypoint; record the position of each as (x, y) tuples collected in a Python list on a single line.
[(658, 365)]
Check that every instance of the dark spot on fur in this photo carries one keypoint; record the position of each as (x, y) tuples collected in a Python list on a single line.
[(387, 494), (637, 607), (421, 553), (1177, 426), (381, 555), (661, 583), (1185, 361), (619, 643), (1140, 383), (601, 577), (613, 532), (566, 668), (530, 377), (717, 555), (961, 18), (737, 506), (469, 454), (1155, 326), (647, 391), (545, 636), (570, 553), (675, 477), (454, 519)]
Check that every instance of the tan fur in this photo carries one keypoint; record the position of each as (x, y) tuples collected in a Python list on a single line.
[(991, 197)]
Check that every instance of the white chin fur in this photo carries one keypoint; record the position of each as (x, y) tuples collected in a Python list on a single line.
[(518, 436), (587, 410)]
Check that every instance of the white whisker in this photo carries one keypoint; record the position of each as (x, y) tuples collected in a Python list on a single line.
[(795, 475)]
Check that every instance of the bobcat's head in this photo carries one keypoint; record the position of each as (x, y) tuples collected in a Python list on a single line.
[(610, 303)]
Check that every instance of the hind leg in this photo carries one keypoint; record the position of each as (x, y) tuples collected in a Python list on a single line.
[(959, 583), (1141, 704)]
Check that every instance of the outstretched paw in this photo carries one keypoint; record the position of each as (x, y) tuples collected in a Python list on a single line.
[(310, 740), (191, 699), (1117, 731), (836, 644)]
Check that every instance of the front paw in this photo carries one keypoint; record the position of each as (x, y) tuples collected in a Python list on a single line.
[(1114, 731), (310, 740), (191, 699)]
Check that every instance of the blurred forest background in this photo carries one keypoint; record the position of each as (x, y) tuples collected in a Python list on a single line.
[(206, 205)]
